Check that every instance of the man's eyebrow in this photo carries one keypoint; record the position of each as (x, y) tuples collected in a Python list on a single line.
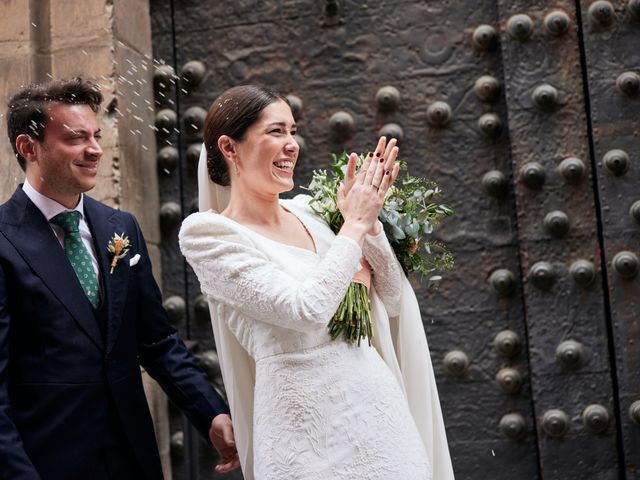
[(81, 130)]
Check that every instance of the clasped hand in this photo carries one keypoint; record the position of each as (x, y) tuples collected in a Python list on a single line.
[(222, 438), (361, 195)]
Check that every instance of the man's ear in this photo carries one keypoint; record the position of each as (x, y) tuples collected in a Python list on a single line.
[(227, 146), (26, 147)]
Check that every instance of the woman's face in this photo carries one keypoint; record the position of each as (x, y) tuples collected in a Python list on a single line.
[(267, 155)]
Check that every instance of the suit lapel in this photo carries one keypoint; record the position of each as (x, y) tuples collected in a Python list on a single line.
[(104, 223), (31, 235)]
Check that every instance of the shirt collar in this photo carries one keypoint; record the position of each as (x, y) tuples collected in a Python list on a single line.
[(49, 208)]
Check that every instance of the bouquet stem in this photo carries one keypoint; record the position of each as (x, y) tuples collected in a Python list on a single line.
[(353, 317)]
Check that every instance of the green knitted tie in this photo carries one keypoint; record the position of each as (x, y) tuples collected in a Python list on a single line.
[(78, 254)]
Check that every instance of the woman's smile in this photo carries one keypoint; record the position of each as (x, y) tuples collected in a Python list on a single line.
[(285, 166), (268, 144)]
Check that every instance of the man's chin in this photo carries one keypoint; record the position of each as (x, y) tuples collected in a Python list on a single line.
[(86, 186)]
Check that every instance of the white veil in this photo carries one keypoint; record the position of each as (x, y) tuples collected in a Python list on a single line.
[(211, 196), (402, 344), (237, 367)]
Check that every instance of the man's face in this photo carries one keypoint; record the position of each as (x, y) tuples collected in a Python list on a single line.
[(67, 158)]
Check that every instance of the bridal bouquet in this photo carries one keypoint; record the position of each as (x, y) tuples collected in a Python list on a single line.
[(408, 217)]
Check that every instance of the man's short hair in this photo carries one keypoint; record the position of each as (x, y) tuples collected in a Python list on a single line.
[(28, 107)]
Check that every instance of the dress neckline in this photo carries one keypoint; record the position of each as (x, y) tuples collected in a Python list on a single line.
[(288, 245)]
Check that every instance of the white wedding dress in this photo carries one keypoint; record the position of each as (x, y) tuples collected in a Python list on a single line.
[(318, 409)]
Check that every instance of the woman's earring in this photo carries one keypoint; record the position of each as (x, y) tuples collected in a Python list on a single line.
[(236, 166)]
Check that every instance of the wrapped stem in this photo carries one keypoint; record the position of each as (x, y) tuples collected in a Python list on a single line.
[(353, 316)]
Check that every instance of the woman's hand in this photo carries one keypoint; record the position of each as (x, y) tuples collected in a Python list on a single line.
[(361, 195)]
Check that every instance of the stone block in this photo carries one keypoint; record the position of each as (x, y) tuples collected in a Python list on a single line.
[(154, 254), (16, 68), (12, 174), (136, 139), (107, 186), (132, 25), (87, 60), (17, 71), (16, 22), (107, 189), (74, 20), (158, 406)]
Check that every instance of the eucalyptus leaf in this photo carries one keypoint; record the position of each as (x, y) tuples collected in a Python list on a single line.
[(397, 233), (408, 216)]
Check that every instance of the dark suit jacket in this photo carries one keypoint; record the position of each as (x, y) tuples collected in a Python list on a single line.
[(59, 377)]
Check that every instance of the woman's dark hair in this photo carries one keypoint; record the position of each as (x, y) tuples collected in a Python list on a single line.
[(28, 106), (231, 114)]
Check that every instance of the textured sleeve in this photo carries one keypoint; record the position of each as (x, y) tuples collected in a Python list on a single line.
[(387, 272), (232, 271)]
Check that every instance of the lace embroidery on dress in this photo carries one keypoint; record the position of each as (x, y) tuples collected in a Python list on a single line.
[(322, 410), (387, 272)]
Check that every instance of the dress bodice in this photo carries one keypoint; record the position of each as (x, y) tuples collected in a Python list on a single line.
[(275, 297)]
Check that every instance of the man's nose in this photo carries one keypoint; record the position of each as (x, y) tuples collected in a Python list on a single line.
[(94, 149)]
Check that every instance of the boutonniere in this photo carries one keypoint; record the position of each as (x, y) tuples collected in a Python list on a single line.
[(118, 247)]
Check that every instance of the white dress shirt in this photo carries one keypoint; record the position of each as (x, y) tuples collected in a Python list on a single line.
[(50, 208)]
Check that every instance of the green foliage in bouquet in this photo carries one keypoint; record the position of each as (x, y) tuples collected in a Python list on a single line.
[(408, 216)]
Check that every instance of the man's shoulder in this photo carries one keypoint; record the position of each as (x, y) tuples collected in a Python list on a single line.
[(103, 209)]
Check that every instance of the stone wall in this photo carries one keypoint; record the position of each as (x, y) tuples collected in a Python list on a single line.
[(109, 43), (17, 64)]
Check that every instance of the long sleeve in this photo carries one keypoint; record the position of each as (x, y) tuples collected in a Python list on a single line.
[(15, 463), (232, 271), (387, 272)]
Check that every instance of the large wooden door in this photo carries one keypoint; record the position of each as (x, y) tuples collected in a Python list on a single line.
[(526, 113)]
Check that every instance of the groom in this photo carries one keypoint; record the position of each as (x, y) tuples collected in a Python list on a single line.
[(77, 320)]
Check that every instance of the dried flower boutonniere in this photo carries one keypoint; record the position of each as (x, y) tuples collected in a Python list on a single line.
[(118, 247)]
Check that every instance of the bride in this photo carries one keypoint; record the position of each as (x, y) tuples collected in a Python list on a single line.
[(303, 406)]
